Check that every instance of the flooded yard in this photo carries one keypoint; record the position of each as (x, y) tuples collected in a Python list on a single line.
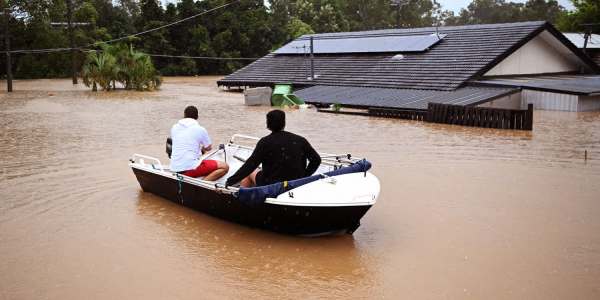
[(463, 212)]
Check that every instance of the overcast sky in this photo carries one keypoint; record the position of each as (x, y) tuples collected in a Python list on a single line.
[(454, 5)]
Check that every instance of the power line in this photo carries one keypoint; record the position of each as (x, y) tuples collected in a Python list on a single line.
[(166, 25), (204, 57), (25, 51), (45, 51), (55, 50)]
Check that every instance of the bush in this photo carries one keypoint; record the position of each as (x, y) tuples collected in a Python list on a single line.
[(120, 63)]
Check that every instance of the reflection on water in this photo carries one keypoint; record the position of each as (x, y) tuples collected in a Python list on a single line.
[(463, 212), (331, 263)]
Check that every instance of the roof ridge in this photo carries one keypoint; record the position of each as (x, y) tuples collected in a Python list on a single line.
[(426, 29)]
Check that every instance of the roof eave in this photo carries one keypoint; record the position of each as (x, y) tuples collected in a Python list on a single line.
[(533, 88), (579, 52), (591, 65)]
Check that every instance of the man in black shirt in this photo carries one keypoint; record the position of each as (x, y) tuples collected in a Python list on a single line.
[(283, 156)]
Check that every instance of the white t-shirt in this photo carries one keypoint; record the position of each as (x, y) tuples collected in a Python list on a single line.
[(188, 139)]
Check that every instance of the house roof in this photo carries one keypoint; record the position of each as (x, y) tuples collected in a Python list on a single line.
[(465, 53), (578, 40), (569, 84), (400, 98)]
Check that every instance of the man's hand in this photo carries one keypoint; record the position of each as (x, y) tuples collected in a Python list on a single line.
[(206, 149)]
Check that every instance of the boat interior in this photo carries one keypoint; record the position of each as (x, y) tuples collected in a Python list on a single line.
[(235, 153), (352, 186)]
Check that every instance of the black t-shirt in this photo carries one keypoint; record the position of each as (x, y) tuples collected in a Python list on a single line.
[(283, 156)]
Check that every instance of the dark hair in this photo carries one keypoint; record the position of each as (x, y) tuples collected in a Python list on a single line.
[(276, 120), (191, 112)]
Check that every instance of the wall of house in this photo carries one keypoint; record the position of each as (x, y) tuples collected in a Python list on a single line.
[(508, 102), (549, 101), (596, 56), (558, 101), (543, 54), (589, 103)]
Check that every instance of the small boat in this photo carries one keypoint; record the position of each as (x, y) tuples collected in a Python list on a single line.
[(331, 201)]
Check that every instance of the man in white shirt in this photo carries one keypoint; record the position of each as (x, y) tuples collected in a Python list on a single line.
[(190, 141)]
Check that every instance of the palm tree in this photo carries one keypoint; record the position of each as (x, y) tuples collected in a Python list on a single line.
[(144, 75), (120, 63), (100, 69)]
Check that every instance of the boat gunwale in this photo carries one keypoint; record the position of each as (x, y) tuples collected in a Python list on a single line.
[(210, 185), (233, 190)]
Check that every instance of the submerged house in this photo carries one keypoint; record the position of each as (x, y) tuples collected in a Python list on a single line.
[(497, 65)]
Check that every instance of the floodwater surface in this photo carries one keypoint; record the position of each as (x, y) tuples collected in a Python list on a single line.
[(463, 212)]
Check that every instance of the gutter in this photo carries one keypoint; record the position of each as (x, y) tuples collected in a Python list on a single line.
[(525, 87)]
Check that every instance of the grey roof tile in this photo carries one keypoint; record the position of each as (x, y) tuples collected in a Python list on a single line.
[(465, 51), (399, 98)]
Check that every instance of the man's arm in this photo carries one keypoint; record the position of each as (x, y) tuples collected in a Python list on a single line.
[(204, 140), (249, 166), (206, 149), (314, 159)]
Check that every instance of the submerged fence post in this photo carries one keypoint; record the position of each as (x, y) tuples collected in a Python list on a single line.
[(312, 59), (428, 115), (529, 117), (9, 87)]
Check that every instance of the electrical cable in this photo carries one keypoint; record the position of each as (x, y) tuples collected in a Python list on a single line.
[(166, 25), (203, 57), (55, 50), (50, 50)]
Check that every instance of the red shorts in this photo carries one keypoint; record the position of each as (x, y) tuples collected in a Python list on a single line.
[(206, 167)]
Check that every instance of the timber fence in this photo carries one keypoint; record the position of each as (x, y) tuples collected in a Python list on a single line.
[(417, 115), (481, 116), (455, 114)]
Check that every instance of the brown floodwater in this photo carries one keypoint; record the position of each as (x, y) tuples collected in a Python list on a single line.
[(463, 212)]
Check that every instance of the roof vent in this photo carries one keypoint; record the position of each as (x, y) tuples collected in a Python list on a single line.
[(398, 57)]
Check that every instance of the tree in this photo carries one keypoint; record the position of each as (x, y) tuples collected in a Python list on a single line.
[(247, 28), (501, 11), (100, 69), (296, 28), (120, 63), (547, 10), (329, 17), (586, 12), (419, 13), (151, 10), (368, 14), (118, 20)]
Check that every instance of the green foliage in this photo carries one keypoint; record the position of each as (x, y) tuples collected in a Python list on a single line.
[(100, 69), (150, 10), (502, 11), (186, 67), (586, 12), (296, 28), (120, 63), (248, 28), (336, 107)]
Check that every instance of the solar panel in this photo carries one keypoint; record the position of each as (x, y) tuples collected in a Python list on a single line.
[(368, 44)]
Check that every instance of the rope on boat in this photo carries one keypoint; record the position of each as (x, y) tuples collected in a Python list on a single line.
[(180, 184)]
